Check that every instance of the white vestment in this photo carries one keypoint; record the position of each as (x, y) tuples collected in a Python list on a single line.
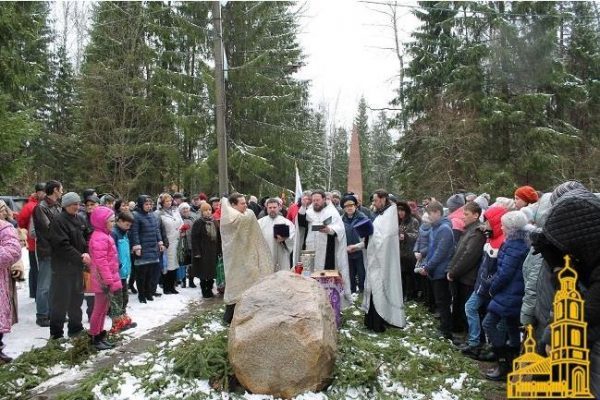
[(279, 251), (317, 242), (246, 256), (384, 280)]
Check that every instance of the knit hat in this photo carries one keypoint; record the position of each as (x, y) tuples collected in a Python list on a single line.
[(349, 198), (527, 194), (573, 226), (455, 202), (513, 221), (70, 199), (482, 201), (564, 188), (508, 204), (183, 206)]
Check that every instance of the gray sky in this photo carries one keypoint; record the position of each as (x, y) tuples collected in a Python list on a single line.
[(348, 52), (343, 42)]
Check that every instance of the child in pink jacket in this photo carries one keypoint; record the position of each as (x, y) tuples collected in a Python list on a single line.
[(104, 272)]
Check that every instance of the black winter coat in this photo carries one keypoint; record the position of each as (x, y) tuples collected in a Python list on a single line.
[(467, 256), (68, 244), (43, 216), (205, 250)]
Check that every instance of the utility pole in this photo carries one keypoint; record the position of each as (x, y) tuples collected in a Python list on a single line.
[(220, 100)]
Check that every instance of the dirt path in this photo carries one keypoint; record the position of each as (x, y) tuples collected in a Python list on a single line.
[(65, 382)]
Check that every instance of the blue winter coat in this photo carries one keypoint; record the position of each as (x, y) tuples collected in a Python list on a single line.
[(352, 236), (145, 232), (121, 239), (422, 242), (485, 274), (507, 287), (441, 249)]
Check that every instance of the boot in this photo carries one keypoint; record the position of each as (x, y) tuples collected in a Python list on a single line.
[(4, 359), (132, 288), (499, 373), (192, 284), (206, 286), (100, 343)]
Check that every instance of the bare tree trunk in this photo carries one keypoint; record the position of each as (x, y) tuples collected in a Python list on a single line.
[(393, 15)]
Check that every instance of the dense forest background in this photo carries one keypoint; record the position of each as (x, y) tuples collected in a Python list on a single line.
[(492, 95)]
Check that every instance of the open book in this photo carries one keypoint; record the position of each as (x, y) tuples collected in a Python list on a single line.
[(318, 226)]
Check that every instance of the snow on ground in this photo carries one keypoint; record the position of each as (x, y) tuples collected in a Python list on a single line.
[(27, 335)]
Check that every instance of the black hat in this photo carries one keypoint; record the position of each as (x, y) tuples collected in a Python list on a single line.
[(91, 198), (349, 197), (178, 195), (40, 187)]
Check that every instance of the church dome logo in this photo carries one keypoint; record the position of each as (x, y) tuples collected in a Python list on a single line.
[(565, 373)]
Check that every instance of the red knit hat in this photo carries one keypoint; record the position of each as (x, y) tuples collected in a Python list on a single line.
[(527, 194)]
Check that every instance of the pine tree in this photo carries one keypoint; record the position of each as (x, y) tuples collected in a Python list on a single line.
[(339, 160), (266, 105), (313, 159), (23, 89), (55, 148), (361, 122), (382, 153), (126, 136)]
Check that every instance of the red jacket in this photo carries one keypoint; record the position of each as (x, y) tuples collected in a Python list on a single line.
[(24, 220)]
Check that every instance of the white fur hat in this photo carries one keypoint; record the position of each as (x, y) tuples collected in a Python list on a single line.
[(514, 221)]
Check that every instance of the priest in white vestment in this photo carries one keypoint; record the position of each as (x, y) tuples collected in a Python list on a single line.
[(326, 236), (246, 255), (271, 226), (383, 300)]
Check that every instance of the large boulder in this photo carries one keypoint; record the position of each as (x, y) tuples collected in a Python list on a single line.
[(282, 340)]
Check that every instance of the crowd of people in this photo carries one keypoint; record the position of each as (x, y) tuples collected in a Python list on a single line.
[(485, 268)]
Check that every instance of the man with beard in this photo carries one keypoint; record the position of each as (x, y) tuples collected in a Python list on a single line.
[(279, 239), (246, 256), (326, 236), (383, 301)]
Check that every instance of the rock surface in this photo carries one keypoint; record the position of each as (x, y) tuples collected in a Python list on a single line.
[(282, 340)]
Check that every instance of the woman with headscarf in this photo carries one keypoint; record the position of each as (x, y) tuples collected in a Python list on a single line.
[(185, 244), (206, 249), (408, 231)]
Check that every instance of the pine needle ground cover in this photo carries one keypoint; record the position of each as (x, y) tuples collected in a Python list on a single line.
[(411, 363), (38, 365)]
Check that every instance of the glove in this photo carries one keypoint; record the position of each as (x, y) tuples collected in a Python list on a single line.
[(17, 271), (552, 254), (115, 286)]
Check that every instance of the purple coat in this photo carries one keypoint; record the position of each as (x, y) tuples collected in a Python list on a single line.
[(104, 270), (10, 253)]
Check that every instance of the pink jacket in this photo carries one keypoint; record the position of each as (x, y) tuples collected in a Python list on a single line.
[(456, 218), (104, 270), (10, 253)]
